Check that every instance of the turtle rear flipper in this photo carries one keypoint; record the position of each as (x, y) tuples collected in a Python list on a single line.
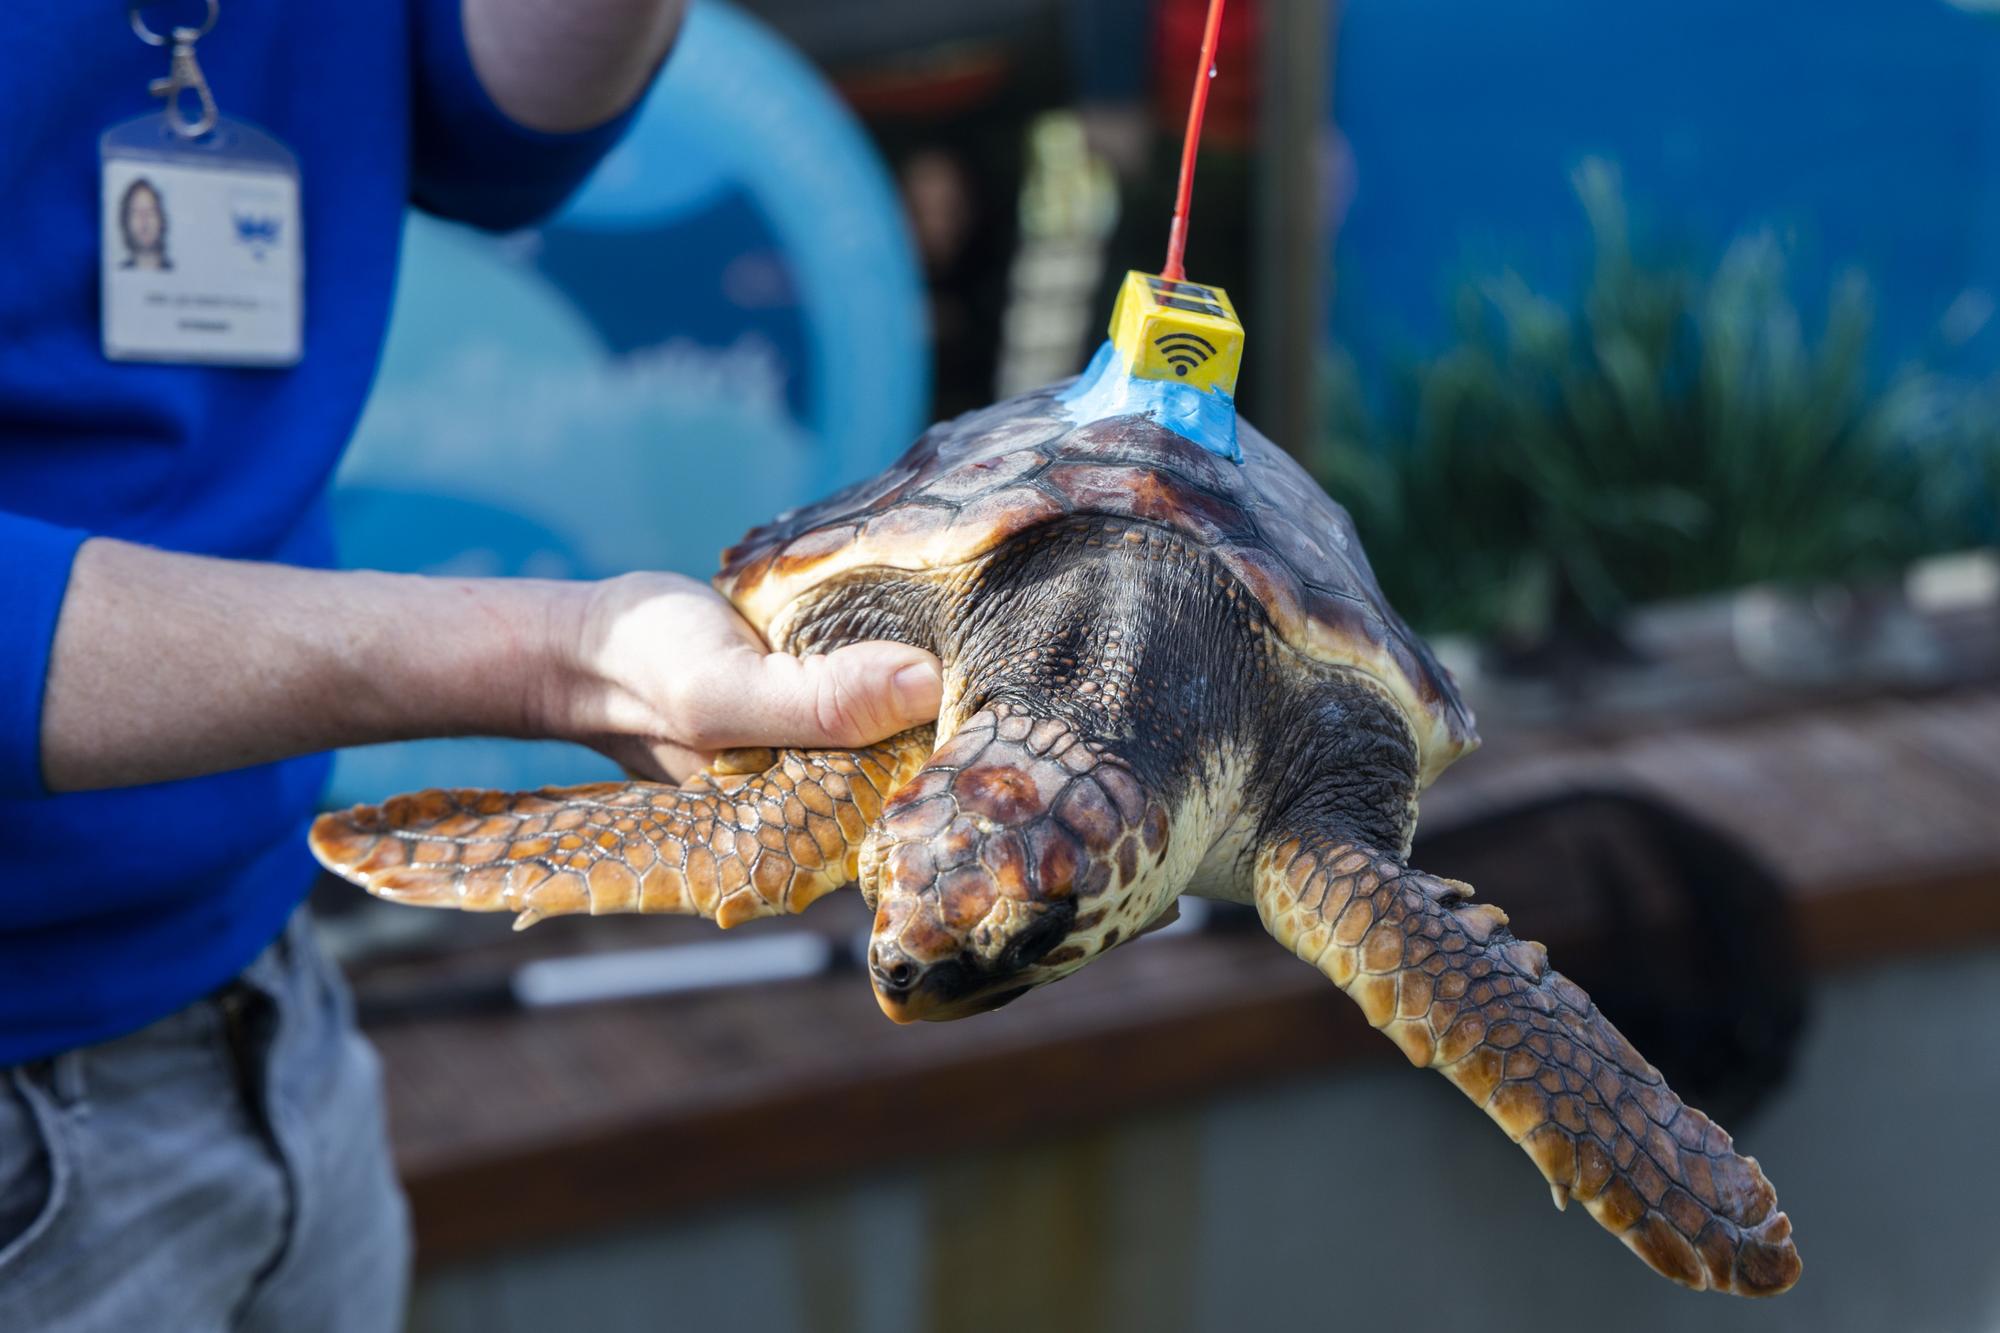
[(1460, 994), (730, 851)]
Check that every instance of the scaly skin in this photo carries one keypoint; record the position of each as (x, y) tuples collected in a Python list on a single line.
[(729, 851), (1454, 989)]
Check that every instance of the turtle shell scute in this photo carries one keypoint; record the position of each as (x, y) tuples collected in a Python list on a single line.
[(983, 476), (911, 521), (1137, 442), (1004, 514), (972, 483), (1137, 491)]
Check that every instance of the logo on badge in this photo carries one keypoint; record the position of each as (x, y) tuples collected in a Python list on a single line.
[(257, 231)]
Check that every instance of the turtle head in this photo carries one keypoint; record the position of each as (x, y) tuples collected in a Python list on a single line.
[(1097, 676), (1020, 853)]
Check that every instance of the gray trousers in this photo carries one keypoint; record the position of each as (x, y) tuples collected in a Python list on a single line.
[(225, 1168)]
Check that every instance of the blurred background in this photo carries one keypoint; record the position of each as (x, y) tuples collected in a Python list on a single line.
[(1653, 347)]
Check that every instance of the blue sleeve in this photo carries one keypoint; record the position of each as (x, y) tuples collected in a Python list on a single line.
[(34, 573), (470, 161)]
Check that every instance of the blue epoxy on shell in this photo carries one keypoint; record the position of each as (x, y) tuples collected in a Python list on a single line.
[(1108, 388)]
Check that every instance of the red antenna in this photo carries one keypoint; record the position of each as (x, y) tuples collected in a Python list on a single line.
[(1177, 233)]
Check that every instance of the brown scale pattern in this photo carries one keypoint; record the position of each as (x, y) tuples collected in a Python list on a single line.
[(1460, 994), (730, 849), (968, 485), (1013, 816)]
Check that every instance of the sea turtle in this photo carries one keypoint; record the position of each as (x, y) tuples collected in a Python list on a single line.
[(1165, 673)]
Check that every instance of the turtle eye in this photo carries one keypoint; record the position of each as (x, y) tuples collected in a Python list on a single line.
[(1041, 935)]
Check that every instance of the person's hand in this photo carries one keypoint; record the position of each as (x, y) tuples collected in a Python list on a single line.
[(663, 673)]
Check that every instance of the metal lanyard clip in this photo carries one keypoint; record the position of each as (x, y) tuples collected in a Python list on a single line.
[(184, 74)]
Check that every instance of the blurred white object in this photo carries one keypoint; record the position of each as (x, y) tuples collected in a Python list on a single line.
[(1955, 582), (632, 973)]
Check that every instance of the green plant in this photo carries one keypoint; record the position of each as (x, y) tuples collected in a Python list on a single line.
[(1674, 435)]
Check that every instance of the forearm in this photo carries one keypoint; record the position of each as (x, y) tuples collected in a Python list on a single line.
[(566, 65), (171, 666), (168, 666)]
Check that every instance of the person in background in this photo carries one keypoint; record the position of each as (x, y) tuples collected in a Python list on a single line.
[(191, 1132), (949, 116)]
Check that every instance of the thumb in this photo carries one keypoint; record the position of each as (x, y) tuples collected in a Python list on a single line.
[(854, 696)]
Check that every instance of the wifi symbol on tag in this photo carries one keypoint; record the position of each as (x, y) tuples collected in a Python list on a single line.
[(1184, 351)]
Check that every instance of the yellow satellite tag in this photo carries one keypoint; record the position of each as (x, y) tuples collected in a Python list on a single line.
[(1180, 332)]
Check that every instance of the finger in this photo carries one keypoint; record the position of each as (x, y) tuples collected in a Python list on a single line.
[(855, 696)]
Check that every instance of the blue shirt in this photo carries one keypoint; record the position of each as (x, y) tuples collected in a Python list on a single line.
[(116, 908)]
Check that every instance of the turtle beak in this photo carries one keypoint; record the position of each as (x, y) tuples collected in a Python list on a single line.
[(910, 991), (913, 992)]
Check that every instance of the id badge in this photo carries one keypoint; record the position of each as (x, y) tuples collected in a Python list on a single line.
[(203, 261)]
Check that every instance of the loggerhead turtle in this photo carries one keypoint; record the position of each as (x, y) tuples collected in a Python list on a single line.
[(1165, 673)]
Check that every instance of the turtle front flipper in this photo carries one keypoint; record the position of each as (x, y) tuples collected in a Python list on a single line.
[(1460, 994), (728, 849)]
